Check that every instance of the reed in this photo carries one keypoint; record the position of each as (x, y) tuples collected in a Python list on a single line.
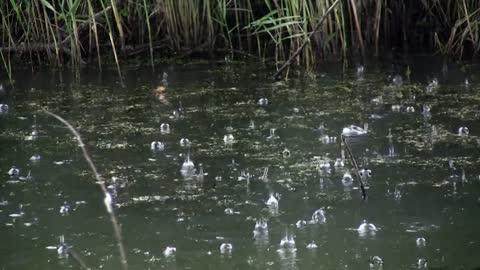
[(8, 66), (93, 23), (66, 32), (149, 28), (112, 39)]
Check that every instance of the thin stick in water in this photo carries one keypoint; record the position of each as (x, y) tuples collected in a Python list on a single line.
[(355, 167), (98, 177)]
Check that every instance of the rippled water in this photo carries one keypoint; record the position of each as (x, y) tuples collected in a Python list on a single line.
[(175, 217)]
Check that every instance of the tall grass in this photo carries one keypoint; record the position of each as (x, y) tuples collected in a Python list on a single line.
[(74, 32)]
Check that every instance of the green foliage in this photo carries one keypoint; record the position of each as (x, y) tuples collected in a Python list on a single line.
[(69, 31)]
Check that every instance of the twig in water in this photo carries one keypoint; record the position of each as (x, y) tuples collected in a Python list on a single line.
[(355, 167), (101, 183)]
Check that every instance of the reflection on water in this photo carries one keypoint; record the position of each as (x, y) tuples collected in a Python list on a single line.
[(231, 151)]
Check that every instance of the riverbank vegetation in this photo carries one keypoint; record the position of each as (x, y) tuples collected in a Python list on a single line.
[(74, 32)]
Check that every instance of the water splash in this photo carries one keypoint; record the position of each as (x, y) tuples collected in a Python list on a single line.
[(114, 186), (318, 217), (228, 139), (251, 124), (352, 130), (27, 177), (377, 100), (365, 174), (244, 175), (164, 80), (312, 245), (272, 201), (188, 168), (324, 166), (410, 109), (272, 204), (184, 142), (65, 209), (391, 150), (262, 101), (165, 128), (366, 229), (272, 135), (260, 232), (396, 108), (360, 72), (300, 224), (339, 163), (347, 179), (397, 194), (61, 248), (35, 158), (157, 146), (261, 225), (397, 81), (20, 212), (421, 242), (325, 139), (288, 252), (169, 251), (422, 263), (432, 85), (201, 172), (226, 249), (4, 108), (375, 263), (288, 242), (230, 211), (426, 111), (463, 131), (13, 172)]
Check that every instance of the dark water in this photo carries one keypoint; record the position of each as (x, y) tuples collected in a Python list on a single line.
[(412, 193)]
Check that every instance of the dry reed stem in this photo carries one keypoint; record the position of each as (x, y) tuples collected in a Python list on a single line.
[(357, 26), (101, 183)]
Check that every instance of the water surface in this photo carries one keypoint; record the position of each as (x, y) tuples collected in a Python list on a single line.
[(412, 193)]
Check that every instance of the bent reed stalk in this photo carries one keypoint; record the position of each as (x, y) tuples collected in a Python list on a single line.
[(60, 32), (355, 167), (101, 183)]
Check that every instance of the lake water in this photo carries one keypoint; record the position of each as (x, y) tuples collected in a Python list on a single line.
[(422, 213)]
